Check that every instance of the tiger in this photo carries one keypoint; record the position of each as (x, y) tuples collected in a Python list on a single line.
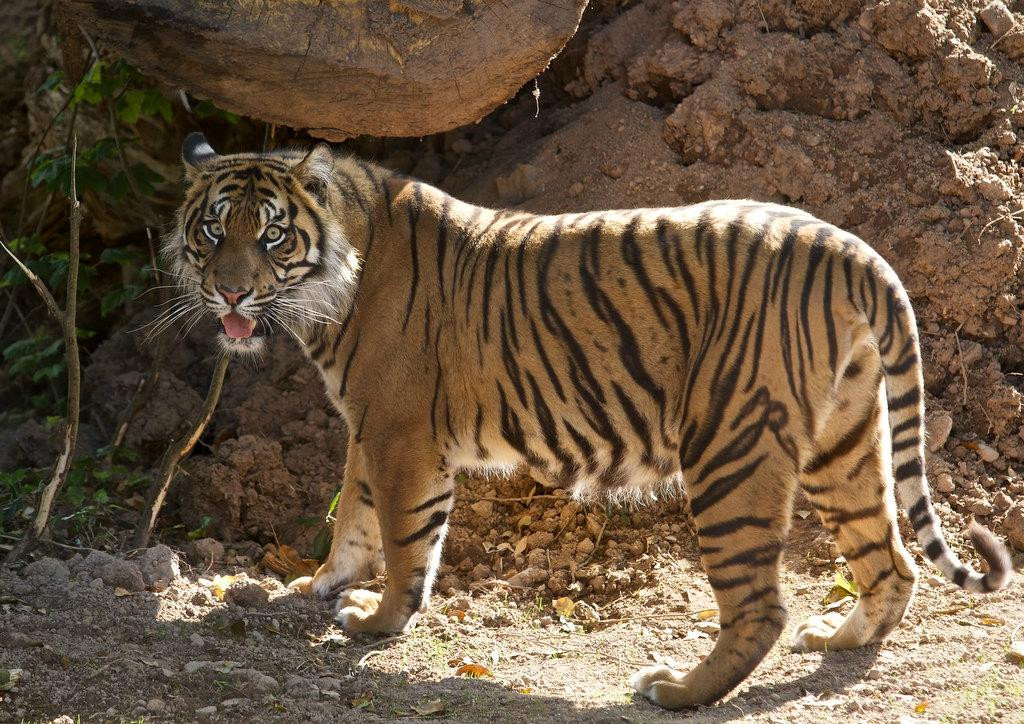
[(748, 349)]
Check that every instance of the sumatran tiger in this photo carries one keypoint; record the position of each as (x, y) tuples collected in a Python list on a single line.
[(749, 348)]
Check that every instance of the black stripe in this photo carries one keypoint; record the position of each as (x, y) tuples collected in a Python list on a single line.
[(934, 549), (431, 503), (907, 399), (845, 445), (733, 525), (437, 519), (909, 469), (414, 215), (348, 364)]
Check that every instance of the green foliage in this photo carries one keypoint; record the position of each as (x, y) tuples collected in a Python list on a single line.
[(131, 93), (205, 109), (52, 170), (38, 357)]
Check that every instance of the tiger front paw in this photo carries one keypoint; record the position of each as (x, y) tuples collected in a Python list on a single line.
[(360, 611)]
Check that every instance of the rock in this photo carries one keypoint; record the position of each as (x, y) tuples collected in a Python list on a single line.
[(529, 577), (1001, 501), (159, 566), (575, 189), (156, 705), (987, 453), (594, 524), (206, 711), (539, 540), (980, 507), (47, 569), (483, 508), (196, 640), (944, 483), (708, 627), (208, 550), (585, 547), (89, 568), (257, 680), (523, 182), (247, 595), (938, 428), (612, 171), (480, 572), (1016, 652), (997, 17), (1013, 524), (558, 582), (301, 687), (123, 574)]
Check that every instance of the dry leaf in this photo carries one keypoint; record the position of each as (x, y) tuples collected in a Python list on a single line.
[(429, 708), (474, 671), (707, 613), (121, 592), (9, 678), (456, 614), (921, 708), (525, 690), (219, 584), (564, 606), (363, 701), (520, 547), (991, 621), (287, 563), (458, 662)]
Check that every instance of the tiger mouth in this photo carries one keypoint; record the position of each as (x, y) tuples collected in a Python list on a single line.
[(240, 328)]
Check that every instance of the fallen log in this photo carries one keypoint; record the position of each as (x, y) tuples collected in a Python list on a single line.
[(337, 68)]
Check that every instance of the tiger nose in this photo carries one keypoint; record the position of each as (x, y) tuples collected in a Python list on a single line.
[(233, 294)]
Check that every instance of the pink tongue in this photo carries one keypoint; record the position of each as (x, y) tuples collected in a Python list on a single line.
[(237, 326)]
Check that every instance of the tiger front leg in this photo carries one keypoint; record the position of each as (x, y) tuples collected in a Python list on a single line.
[(356, 553), (413, 496)]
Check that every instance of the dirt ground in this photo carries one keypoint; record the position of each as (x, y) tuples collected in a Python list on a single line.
[(897, 119)]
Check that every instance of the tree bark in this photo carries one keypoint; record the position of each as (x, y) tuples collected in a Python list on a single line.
[(339, 68)]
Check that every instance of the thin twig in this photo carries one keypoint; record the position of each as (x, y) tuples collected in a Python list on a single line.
[(68, 321), (526, 499), (176, 453), (596, 543)]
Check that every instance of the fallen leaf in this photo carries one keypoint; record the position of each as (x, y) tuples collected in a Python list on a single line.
[(121, 592), (707, 613), (564, 606), (525, 690), (849, 586), (363, 701), (991, 621), (474, 671), (524, 521), (9, 678), (287, 563), (520, 547), (429, 708), (219, 584), (456, 614), (921, 708)]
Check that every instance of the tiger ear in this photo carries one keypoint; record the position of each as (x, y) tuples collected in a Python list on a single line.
[(197, 154), (314, 172)]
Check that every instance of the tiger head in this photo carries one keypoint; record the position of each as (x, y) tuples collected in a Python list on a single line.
[(256, 243)]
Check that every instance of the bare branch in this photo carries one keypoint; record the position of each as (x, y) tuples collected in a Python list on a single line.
[(175, 454), (51, 303), (67, 318)]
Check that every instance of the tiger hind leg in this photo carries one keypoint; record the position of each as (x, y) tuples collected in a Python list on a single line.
[(849, 483), (741, 511)]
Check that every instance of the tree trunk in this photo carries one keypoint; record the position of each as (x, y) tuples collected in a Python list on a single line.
[(339, 68)]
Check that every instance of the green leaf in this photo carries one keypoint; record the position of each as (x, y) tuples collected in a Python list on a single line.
[(52, 81), (848, 586), (334, 504)]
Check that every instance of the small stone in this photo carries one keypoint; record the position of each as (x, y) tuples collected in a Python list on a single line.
[(873, 675), (597, 584), (708, 627), (987, 453), (49, 569), (159, 566), (528, 577), (936, 582), (944, 483), (594, 525), (156, 705), (612, 171), (206, 711), (208, 550), (1001, 501), (575, 189), (1013, 524), (585, 547), (480, 571), (1016, 652), (246, 595), (122, 574), (301, 687), (541, 539), (257, 680), (938, 428), (997, 17), (89, 568), (483, 508), (980, 507), (196, 640)]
